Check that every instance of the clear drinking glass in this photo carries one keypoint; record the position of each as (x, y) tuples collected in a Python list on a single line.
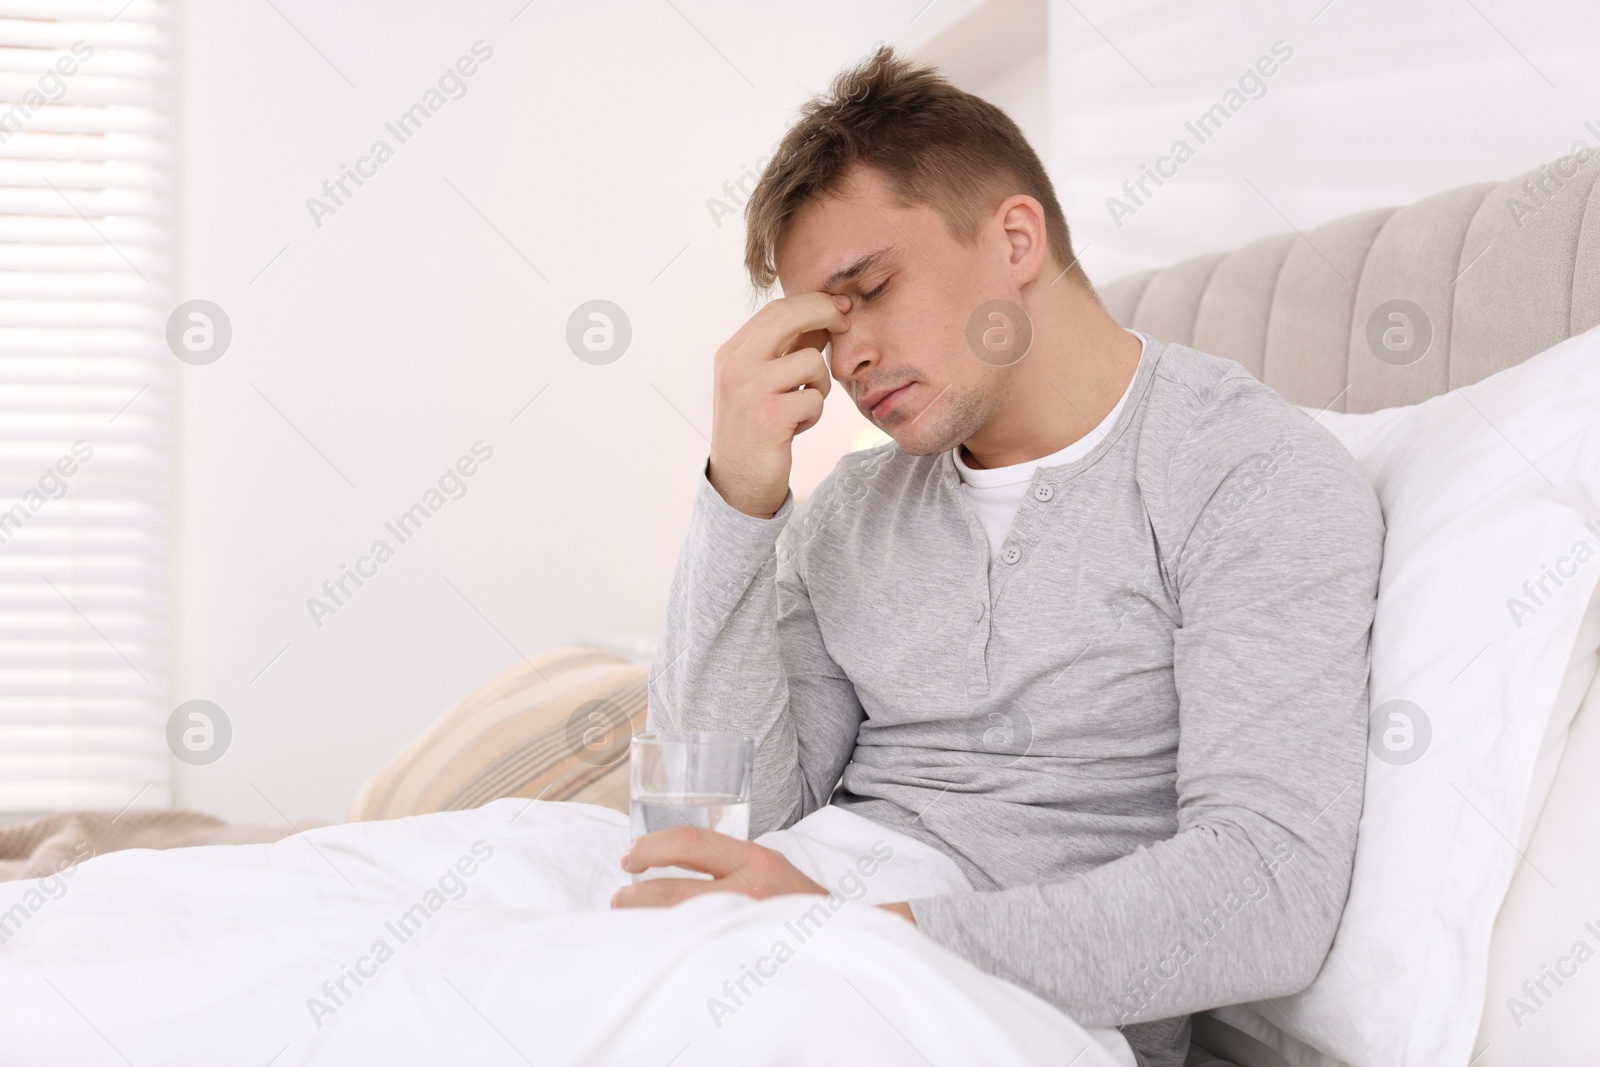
[(689, 778)]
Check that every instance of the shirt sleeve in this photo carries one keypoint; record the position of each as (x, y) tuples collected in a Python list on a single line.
[(1273, 551), (742, 653)]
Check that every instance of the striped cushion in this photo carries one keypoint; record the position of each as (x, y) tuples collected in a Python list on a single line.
[(556, 728)]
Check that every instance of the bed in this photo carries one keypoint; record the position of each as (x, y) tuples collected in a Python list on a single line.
[(1482, 278)]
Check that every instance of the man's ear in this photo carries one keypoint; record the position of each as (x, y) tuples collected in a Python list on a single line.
[(1022, 220)]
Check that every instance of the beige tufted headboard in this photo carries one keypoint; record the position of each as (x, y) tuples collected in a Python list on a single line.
[(1500, 272)]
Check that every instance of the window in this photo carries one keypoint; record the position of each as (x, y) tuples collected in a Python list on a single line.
[(86, 127)]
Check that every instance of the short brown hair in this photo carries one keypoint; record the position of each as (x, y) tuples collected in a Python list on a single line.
[(935, 144)]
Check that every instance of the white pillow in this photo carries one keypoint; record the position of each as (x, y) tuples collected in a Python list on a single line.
[(1483, 489), (1543, 986)]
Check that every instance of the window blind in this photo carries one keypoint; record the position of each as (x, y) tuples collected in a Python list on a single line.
[(86, 229)]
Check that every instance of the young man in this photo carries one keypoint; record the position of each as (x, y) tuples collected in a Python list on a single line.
[(1095, 624)]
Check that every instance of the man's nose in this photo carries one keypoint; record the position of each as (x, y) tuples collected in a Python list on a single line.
[(851, 356)]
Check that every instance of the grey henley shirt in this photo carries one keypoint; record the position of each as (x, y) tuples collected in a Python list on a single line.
[(1140, 728)]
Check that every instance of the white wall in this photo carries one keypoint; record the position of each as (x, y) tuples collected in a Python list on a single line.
[(407, 327), (1382, 103)]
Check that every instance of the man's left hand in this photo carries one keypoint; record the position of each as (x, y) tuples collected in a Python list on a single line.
[(735, 866)]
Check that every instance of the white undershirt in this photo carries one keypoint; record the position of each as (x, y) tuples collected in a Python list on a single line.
[(996, 493)]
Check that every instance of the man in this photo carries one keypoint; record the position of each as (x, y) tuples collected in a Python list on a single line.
[(1095, 624)]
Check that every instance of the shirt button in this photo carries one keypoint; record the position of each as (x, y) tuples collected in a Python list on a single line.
[(1043, 492), (1012, 554), (977, 613)]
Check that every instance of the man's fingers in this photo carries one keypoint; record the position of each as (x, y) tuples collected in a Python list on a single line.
[(773, 329), (804, 367), (817, 339), (686, 846), (752, 870), (663, 892), (801, 410), (780, 322)]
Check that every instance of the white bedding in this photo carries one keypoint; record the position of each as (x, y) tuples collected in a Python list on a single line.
[(251, 954)]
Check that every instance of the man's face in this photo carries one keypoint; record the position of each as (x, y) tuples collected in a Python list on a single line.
[(913, 288)]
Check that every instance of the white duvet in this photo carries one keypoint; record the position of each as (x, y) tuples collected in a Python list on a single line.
[(484, 937)]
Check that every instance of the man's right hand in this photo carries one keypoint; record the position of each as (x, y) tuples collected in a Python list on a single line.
[(759, 406)]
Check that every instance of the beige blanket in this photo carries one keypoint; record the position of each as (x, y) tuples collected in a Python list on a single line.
[(55, 842)]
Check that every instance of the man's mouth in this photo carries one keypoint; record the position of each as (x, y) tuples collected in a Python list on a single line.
[(880, 402)]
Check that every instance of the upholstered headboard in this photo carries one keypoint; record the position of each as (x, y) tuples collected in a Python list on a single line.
[(1499, 273)]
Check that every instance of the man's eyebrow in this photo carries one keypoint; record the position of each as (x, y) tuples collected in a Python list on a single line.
[(862, 264)]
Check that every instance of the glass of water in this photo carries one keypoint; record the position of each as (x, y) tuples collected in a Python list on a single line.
[(689, 778)]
